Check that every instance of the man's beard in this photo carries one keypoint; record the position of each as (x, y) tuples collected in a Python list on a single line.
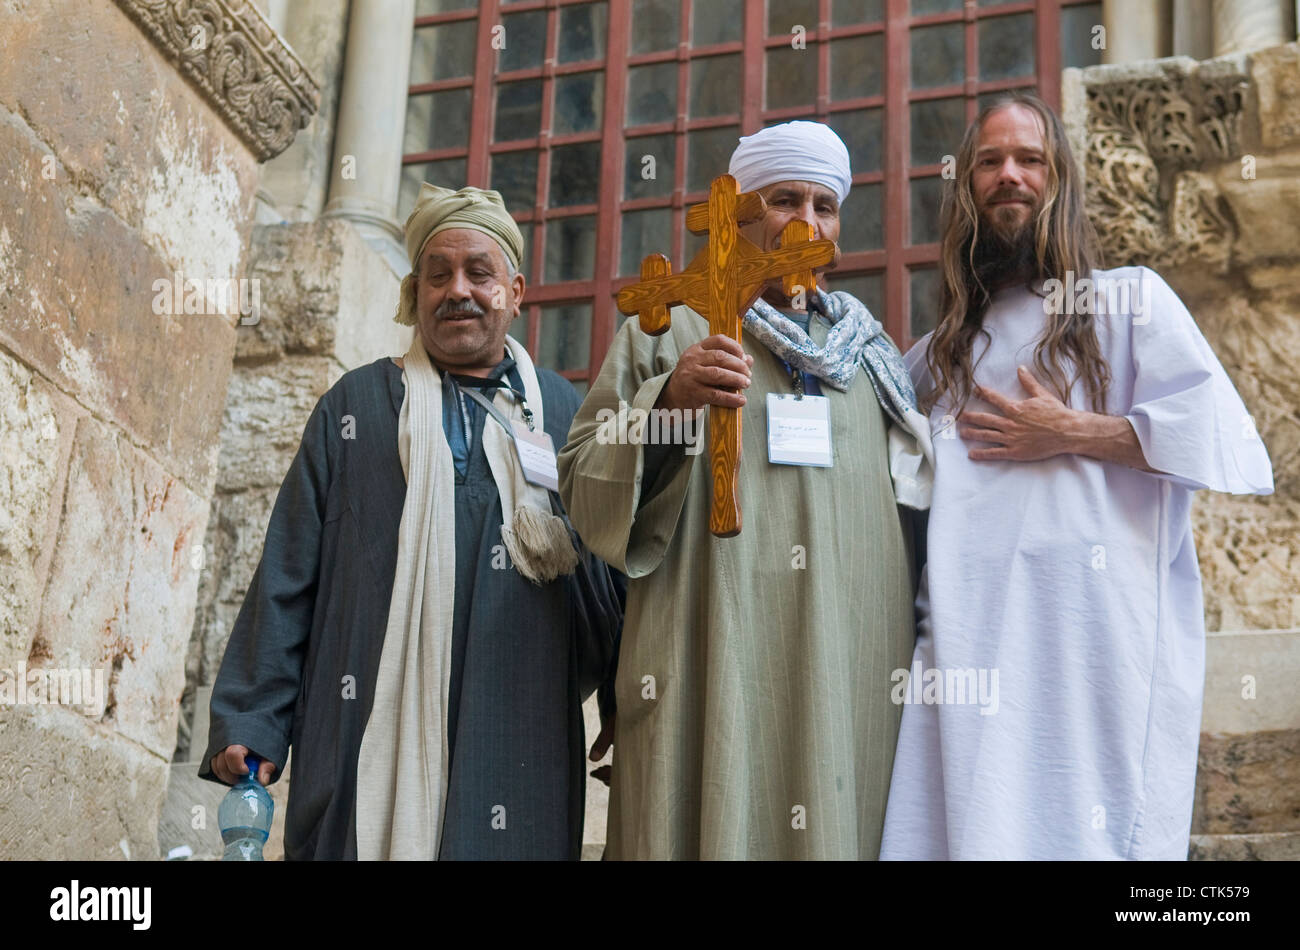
[(1005, 256)]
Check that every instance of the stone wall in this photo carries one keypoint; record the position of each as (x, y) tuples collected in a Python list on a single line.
[(1194, 169), (128, 155)]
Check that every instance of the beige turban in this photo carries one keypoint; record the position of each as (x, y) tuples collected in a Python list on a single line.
[(441, 209)]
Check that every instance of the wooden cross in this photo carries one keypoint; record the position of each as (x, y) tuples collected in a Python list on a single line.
[(721, 284)]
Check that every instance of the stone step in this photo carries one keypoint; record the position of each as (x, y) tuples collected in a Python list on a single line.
[(1248, 765), (1250, 678), (1247, 784), (1276, 846)]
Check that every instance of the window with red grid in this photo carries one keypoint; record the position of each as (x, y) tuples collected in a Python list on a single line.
[(601, 122)]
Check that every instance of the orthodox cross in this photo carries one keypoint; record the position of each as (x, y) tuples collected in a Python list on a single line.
[(721, 284)]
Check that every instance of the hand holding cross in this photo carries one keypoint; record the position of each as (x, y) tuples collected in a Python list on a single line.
[(721, 284)]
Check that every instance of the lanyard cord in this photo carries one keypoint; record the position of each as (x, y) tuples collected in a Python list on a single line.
[(796, 377), (515, 381)]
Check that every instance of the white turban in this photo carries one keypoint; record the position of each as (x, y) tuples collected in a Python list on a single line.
[(793, 151)]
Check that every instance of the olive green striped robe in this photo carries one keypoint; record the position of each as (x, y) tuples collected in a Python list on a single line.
[(753, 690)]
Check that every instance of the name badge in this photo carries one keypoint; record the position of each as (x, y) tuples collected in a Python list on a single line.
[(536, 457), (798, 430)]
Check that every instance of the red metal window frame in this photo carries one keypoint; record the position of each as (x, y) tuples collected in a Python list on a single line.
[(895, 260)]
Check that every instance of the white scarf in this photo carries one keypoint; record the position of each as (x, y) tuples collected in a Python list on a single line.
[(403, 763)]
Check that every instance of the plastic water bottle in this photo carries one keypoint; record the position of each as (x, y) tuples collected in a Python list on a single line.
[(245, 816)]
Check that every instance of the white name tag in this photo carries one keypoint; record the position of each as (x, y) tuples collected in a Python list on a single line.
[(798, 430), (536, 457)]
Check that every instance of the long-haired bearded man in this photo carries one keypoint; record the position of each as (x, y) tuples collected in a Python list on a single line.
[(1053, 706)]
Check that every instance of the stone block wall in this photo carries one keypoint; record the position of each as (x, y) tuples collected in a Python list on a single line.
[(118, 168)]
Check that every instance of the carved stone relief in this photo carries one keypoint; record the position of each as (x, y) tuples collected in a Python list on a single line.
[(1148, 138), (228, 50)]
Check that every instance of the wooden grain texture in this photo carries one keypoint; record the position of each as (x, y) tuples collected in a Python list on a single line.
[(721, 284), (654, 319), (796, 234), (749, 207), (724, 317)]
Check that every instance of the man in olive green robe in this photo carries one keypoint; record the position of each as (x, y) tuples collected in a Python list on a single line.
[(754, 717)]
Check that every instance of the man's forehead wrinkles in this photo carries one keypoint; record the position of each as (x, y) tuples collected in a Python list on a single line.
[(798, 189), (433, 257)]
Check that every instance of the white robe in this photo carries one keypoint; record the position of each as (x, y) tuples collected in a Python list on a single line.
[(1071, 585)]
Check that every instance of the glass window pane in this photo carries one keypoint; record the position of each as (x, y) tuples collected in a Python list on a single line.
[(784, 15), (582, 32), (717, 21), (938, 56), (431, 7), (448, 173), (519, 326), (570, 249), (579, 103), (514, 174), (525, 39), (575, 174), (708, 153), (850, 12), (519, 110), (564, 339), (857, 66), (445, 51), (927, 197), (652, 94), (791, 77), (1006, 47), (645, 232), (715, 86), (925, 7), (937, 129), (1077, 24), (868, 288), (927, 288), (656, 25), (861, 227), (863, 133), (649, 163), (436, 120)]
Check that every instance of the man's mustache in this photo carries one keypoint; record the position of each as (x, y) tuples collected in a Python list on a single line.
[(1010, 194), (459, 308)]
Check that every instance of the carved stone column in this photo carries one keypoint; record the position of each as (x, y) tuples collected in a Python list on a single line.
[(1241, 25), (1193, 29), (365, 176), (1134, 31)]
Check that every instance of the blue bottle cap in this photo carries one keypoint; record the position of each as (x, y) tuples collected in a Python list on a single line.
[(253, 762)]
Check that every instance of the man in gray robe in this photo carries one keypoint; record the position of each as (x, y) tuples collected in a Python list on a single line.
[(753, 711), (341, 650)]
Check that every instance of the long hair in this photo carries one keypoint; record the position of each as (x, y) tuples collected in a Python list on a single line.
[(1064, 241)]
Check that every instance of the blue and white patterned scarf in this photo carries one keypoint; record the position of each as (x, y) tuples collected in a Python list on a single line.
[(856, 340)]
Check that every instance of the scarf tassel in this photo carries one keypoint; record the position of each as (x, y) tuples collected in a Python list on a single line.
[(539, 545)]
